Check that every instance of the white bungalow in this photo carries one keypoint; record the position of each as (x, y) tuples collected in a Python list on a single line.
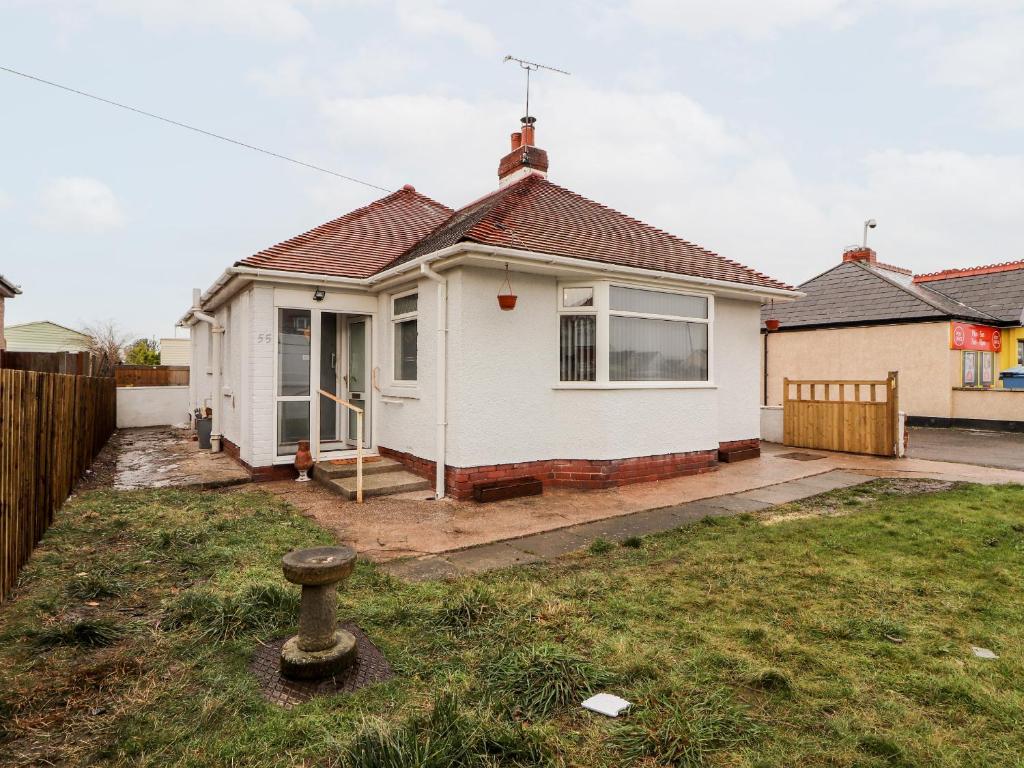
[(630, 354)]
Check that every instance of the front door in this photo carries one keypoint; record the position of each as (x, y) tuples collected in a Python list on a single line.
[(357, 374)]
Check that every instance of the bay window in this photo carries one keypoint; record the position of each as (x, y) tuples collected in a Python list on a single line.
[(619, 335)]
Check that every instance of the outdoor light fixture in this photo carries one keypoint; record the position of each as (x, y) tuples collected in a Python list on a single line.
[(318, 294)]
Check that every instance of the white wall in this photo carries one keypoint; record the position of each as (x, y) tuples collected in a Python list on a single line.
[(504, 407), (771, 423), (152, 406), (738, 368), (406, 415)]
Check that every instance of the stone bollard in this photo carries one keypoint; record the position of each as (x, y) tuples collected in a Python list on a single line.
[(320, 650)]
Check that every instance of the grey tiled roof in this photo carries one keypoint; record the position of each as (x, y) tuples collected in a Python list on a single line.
[(1000, 294), (853, 293)]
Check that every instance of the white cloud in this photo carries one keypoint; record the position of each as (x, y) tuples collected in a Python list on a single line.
[(79, 204), (988, 58), (752, 19), (434, 17)]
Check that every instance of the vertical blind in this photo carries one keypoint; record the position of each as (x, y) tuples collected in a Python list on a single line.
[(578, 348), (642, 349)]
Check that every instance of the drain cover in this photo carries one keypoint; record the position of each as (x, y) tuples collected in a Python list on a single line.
[(798, 456), (370, 668)]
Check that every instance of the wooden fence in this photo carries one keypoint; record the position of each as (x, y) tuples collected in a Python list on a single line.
[(51, 427), (151, 375), (74, 363), (850, 416)]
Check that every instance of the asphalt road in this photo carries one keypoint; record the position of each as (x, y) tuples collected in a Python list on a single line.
[(968, 446)]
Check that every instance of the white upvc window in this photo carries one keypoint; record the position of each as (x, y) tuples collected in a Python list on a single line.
[(620, 335), (405, 336)]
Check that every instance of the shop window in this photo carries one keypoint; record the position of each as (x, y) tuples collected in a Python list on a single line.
[(977, 369)]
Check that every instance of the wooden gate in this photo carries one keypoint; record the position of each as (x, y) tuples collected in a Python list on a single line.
[(850, 416)]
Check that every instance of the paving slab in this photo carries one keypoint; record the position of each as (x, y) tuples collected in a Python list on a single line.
[(783, 493), (737, 503), (490, 557), (430, 568), (553, 543)]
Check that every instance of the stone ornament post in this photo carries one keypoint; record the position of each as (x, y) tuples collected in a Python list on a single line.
[(320, 650)]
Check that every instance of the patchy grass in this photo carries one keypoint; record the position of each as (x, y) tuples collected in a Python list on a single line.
[(837, 636)]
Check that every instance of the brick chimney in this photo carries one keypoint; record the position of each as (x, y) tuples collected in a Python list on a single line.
[(860, 253), (524, 159)]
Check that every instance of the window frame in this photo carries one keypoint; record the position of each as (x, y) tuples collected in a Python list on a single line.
[(602, 310), (393, 338)]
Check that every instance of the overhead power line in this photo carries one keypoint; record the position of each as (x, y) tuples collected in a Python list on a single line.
[(179, 124)]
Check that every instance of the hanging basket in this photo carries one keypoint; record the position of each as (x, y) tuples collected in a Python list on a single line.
[(507, 301), (772, 324)]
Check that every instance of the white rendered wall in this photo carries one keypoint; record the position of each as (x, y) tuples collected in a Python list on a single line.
[(407, 414), (738, 368), (152, 406), (504, 407), (771, 423), (260, 374), (200, 374)]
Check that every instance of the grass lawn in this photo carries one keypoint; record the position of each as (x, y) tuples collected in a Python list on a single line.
[(836, 635)]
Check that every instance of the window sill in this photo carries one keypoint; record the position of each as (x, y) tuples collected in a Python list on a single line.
[(408, 393), (635, 385)]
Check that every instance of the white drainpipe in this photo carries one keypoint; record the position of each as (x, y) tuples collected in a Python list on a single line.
[(442, 373), (217, 333)]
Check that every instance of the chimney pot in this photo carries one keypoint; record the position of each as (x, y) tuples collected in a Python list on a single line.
[(528, 131), (859, 253), (517, 140)]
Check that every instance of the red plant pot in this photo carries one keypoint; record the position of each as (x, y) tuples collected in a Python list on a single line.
[(507, 301), (772, 325)]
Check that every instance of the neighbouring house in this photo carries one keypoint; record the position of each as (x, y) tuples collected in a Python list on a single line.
[(175, 351), (630, 354), (8, 290), (949, 334), (44, 336)]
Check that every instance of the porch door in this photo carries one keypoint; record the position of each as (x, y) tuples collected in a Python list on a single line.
[(332, 426), (357, 375)]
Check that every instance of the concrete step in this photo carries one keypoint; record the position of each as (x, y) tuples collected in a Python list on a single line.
[(379, 484), (372, 465)]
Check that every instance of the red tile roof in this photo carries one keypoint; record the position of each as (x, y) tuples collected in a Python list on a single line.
[(536, 215), (533, 214), (359, 243), (988, 269)]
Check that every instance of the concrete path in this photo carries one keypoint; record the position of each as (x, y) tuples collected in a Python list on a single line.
[(552, 544), (968, 446), (412, 525)]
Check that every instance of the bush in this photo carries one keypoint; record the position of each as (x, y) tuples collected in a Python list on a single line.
[(685, 734), (88, 633), (259, 608), (537, 680), (469, 608), (446, 737)]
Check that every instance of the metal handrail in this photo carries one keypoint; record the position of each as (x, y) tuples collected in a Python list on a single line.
[(359, 441)]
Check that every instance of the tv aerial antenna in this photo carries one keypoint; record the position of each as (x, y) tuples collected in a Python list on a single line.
[(532, 66)]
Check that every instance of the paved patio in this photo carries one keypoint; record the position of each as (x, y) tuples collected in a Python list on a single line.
[(414, 525), (161, 457)]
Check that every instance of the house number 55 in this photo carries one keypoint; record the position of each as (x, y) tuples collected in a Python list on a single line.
[(263, 338)]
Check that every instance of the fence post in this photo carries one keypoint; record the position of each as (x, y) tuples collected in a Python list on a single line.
[(894, 410)]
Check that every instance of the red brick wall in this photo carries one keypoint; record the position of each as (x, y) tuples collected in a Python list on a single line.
[(258, 474), (566, 473), (729, 445)]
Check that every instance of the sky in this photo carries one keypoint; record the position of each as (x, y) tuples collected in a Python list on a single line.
[(767, 131)]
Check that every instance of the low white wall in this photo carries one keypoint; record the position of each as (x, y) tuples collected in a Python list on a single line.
[(771, 423), (151, 406)]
